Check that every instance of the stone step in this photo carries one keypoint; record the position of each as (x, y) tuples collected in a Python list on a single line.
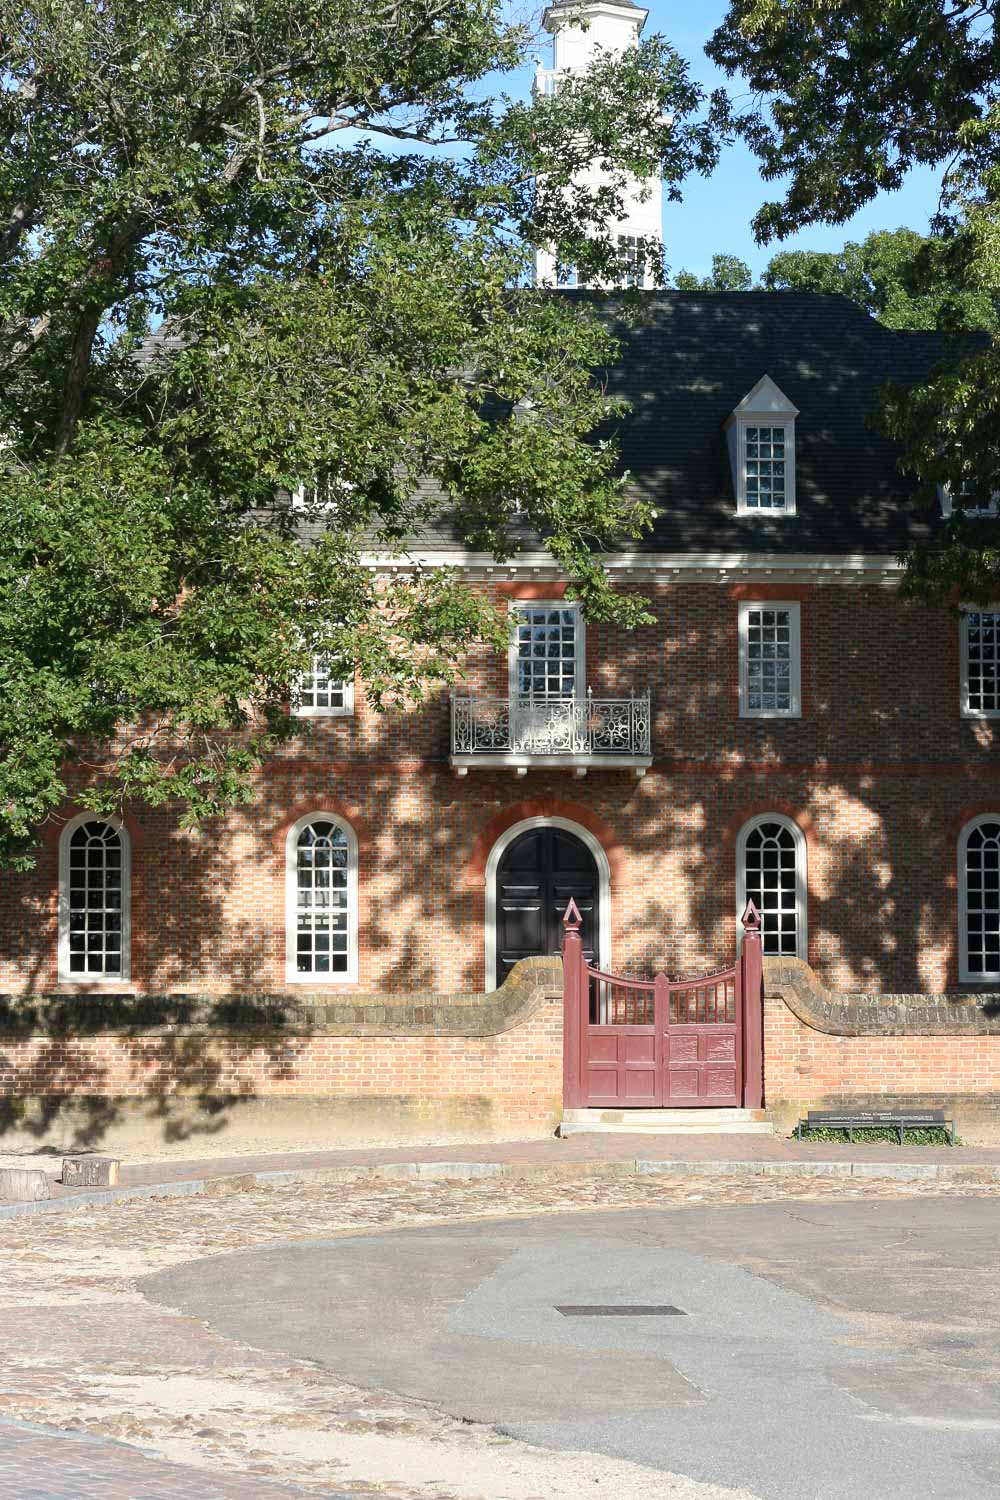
[(665, 1122)]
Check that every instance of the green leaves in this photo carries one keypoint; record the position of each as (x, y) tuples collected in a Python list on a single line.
[(327, 223), (849, 95)]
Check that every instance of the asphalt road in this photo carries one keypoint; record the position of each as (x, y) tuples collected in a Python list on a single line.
[(826, 1350)]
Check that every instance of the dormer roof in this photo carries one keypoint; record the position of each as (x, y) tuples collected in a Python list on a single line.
[(766, 399)]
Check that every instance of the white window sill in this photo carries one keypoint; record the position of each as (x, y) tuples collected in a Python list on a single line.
[(322, 713), (323, 981), (764, 510), (770, 713), (95, 981)]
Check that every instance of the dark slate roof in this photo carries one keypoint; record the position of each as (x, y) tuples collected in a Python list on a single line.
[(688, 358)]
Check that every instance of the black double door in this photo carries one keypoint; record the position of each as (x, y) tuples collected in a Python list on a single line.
[(541, 871)]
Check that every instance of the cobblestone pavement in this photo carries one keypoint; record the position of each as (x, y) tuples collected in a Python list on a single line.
[(85, 1352), (38, 1464)]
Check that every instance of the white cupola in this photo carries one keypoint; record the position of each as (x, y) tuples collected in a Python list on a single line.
[(610, 27)]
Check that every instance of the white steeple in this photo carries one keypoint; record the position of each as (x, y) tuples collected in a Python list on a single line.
[(612, 26)]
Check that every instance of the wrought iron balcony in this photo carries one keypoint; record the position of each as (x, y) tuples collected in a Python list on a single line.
[(579, 733)]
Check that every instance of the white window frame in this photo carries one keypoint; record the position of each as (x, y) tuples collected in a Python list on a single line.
[(292, 975), (787, 426), (966, 610), (65, 974), (801, 878), (973, 512), (346, 711), (794, 710), (965, 977), (580, 672)]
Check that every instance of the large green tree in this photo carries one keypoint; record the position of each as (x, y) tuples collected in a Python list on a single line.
[(325, 217), (848, 96)]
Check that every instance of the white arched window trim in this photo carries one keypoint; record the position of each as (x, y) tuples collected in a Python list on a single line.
[(801, 877), (291, 901), (964, 974), (603, 888), (66, 976)]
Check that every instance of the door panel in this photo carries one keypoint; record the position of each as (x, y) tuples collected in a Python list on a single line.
[(540, 873)]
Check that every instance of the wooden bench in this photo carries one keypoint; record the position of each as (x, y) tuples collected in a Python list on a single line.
[(869, 1119)]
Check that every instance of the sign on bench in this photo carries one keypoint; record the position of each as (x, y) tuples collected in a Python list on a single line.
[(874, 1119)]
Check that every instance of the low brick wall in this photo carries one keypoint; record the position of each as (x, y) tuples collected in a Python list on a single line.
[(364, 1068), (823, 1050), (302, 1069)]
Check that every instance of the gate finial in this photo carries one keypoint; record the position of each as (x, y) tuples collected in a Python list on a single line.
[(751, 918), (572, 920)]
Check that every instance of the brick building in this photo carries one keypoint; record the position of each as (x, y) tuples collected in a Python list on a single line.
[(789, 729)]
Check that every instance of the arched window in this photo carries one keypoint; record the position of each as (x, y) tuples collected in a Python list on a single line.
[(979, 898), (94, 889), (771, 872), (322, 900)]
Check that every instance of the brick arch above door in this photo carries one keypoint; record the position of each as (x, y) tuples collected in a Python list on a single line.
[(544, 807)]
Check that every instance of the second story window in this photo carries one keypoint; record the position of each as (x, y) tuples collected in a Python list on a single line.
[(981, 663), (770, 668), (318, 695), (547, 657)]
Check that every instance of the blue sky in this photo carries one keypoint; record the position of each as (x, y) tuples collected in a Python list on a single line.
[(716, 212)]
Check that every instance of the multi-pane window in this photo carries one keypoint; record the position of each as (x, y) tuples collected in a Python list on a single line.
[(318, 694), (94, 901), (765, 473), (547, 651), (972, 505), (979, 884), (635, 260), (981, 663), (770, 672), (771, 874), (322, 904)]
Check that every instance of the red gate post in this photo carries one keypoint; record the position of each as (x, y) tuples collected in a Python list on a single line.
[(752, 987), (575, 997)]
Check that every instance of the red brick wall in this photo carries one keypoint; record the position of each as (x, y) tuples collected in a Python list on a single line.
[(805, 1068), (801, 1063), (879, 773), (507, 1083)]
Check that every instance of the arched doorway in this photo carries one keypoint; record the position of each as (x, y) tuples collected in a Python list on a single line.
[(535, 873)]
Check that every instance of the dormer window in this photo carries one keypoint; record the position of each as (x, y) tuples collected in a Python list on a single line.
[(968, 503), (761, 437)]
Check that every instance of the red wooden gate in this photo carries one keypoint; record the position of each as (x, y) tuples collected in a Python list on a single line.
[(677, 1043)]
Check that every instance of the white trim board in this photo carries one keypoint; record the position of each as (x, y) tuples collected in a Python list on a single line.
[(603, 889), (542, 567)]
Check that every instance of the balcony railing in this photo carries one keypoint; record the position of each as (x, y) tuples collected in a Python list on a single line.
[(578, 732), (547, 80)]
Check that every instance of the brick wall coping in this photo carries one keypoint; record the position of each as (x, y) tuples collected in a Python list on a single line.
[(792, 980), (531, 983)]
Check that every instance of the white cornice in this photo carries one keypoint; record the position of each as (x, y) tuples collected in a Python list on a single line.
[(722, 566)]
